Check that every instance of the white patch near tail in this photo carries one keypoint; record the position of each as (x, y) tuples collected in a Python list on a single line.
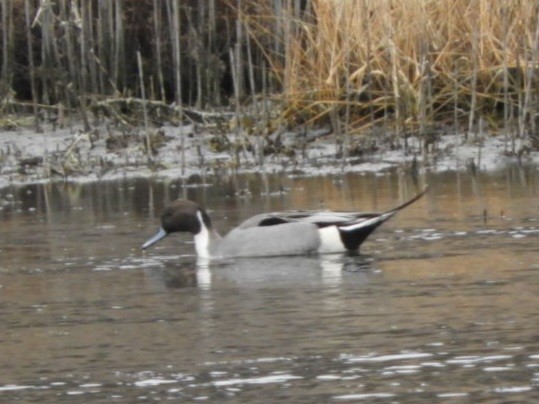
[(202, 239), (330, 240)]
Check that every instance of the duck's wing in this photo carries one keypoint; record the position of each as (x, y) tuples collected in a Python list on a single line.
[(263, 219), (326, 218), (320, 218), (323, 218)]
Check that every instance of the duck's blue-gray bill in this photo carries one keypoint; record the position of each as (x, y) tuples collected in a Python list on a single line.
[(158, 236)]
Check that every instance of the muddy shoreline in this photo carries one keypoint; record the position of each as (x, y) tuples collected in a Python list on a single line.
[(108, 153)]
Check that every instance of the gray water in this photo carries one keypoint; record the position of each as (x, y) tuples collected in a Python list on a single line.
[(441, 305)]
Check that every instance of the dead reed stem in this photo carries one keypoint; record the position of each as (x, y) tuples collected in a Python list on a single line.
[(174, 10), (7, 26), (144, 109), (31, 67)]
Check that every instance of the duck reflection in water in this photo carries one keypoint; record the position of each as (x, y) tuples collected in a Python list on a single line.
[(261, 272)]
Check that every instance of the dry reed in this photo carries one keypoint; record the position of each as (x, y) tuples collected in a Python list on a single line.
[(407, 66), (420, 62)]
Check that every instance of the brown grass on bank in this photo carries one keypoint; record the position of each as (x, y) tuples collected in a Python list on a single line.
[(418, 61), (358, 64)]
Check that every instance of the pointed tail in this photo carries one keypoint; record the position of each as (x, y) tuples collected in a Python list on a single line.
[(355, 234), (409, 202)]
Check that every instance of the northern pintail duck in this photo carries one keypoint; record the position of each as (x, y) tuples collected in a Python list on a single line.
[(273, 234)]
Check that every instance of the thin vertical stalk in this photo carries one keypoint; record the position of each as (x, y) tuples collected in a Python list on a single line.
[(102, 50), (238, 52), (69, 48), (144, 108), (84, 51), (368, 73), (530, 70), (158, 45), (520, 84), (455, 98), (44, 12), (5, 80), (396, 91), (250, 69), (236, 72), (505, 24), (199, 58), (31, 66), (422, 93), (87, 20), (348, 92), (214, 90), (177, 57), (277, 38), (473, 89), (285, 38), (203, 51), (82, 83), (258, 149), (118, 65), (265, 111)]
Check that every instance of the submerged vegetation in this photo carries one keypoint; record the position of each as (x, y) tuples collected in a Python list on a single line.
[(365, 68)]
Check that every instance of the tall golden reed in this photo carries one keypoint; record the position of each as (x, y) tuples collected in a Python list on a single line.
[(415, 60)]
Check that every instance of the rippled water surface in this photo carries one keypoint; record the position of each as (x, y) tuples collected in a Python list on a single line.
[(442, 305)]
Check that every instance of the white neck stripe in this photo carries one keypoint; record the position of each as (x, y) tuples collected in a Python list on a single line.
[(202, 238)]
